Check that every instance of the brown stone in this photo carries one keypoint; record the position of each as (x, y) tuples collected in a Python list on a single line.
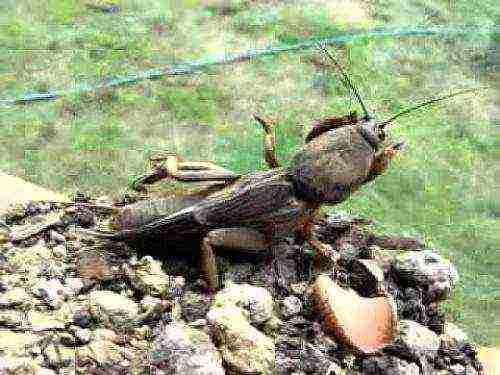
[(366, 324)]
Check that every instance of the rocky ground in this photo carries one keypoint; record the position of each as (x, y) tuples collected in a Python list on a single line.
[(72, 304)]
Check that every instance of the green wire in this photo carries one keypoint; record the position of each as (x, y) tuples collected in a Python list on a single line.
[(194, 67)]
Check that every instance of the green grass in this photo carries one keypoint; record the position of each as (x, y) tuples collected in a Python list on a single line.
[(444, 187)]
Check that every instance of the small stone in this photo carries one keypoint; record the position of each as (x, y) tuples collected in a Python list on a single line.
[(298, 289), (57, 237), (148, 278), (4, 263), (179, 349), (272, 326), (83, 335), (389, 365), (47, 371), (83, 318), (14, 297), (244, 348), (112, 308), (194, 306), (455, 333), (199, 323), (290, 306), (457, 369), (59, 251), (427, 268), (105, 354), (43, 322), (348, 251), (154, 309), (416, 340), (256, 301), (144, 333), (11, 319), (67, 339), (18, 365), (148, 303), (103, 334), (58, 356), (16, 344), (3, 286), (51, 291), (74, 285), (334, 369), (4, 235), (312, 360)]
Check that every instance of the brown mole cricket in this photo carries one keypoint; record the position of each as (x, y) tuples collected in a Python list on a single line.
[(249, 213)]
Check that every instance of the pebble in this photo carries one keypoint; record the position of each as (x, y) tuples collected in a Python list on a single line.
[(83, 335), (416, 340), (256, 301), (57, 237), (290, 306), (243, 347), (51, 291), (179, 349), (112, 308), (74, 285), (427, 268), (83, 318), (14, 298)]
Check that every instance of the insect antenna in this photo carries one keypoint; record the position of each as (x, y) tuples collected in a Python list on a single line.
[(424, 104), (345, 79)]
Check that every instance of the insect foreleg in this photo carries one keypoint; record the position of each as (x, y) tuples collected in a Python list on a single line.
[(269, 143)]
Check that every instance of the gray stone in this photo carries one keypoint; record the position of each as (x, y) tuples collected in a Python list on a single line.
[(244, 349), (51, 291), (59, 251), (148, 277), (290, 306), (389, 365), (58, 356), (112, 308), (83, 335), (453, 332), (457, 369), (57, 237), (256, 301), (74, 285), (179, 349), (416, 340), (15, 297), (427, 268)]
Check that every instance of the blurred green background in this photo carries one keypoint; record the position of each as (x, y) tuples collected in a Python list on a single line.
[(445, 187)]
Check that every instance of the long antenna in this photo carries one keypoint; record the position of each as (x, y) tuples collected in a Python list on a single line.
[(346, 80), (426, 103)]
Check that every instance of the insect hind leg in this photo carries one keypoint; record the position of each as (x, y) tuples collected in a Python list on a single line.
[(242, 239)]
